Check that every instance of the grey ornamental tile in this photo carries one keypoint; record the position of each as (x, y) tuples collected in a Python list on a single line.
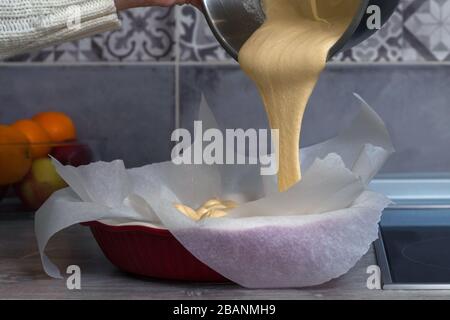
[(197, 43), (88, 49), (427, 30), (147, 34), (130, 107), (386, 45)]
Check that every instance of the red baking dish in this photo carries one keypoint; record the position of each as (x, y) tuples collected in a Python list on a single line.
[(150, 252)]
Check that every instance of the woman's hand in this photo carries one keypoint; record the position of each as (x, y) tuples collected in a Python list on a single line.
[(128, 4)]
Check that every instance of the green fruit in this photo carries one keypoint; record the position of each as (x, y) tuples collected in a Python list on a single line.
[(39, 184), (43, 171)]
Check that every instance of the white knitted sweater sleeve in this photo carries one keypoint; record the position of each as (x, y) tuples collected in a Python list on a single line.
[(27, 25)]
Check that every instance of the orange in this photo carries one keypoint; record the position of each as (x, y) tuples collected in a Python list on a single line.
[(36, 135), (58, 125), (15, 155)]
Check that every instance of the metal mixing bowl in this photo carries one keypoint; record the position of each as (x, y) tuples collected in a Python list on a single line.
[(234, 21)]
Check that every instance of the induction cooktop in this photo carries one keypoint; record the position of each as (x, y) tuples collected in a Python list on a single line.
[(413, 250)]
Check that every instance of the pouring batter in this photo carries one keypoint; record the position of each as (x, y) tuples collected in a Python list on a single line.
[(285, 57)]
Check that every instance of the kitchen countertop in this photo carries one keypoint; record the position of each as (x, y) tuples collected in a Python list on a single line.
[(22, 277)]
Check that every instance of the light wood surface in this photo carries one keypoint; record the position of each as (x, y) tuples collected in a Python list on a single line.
[(21, 275)]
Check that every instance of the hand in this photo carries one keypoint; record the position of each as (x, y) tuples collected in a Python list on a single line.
[(128, 4)]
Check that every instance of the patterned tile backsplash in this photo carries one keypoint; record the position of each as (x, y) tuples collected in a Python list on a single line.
[(179, 61), (418, 31), (146, 35)]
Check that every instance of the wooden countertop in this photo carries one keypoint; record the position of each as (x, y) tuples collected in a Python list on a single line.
[(22, 277)]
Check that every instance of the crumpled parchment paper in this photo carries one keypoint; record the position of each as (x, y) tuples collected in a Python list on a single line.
[(308, 235)]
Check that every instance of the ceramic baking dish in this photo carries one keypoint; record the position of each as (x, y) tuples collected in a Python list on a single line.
[(151, 252)]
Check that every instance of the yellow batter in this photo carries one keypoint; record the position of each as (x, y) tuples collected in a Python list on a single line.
[(285, 58)]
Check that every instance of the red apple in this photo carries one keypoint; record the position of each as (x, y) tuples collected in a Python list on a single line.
[(39, 184), (73, 154)]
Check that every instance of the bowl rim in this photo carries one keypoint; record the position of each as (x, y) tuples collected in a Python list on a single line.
[(130, 227)]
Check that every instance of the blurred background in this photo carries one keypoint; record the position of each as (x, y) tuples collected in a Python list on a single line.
[(133, 86)]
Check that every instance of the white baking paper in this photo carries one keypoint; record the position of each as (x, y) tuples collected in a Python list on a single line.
[(310, 234)]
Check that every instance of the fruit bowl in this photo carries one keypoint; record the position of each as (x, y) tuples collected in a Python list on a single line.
[(34, 179), (149, 251)]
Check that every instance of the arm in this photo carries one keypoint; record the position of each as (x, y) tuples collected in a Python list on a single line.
[(27, 25)]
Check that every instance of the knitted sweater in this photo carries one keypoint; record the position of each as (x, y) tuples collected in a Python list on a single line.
[(27, 25)]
